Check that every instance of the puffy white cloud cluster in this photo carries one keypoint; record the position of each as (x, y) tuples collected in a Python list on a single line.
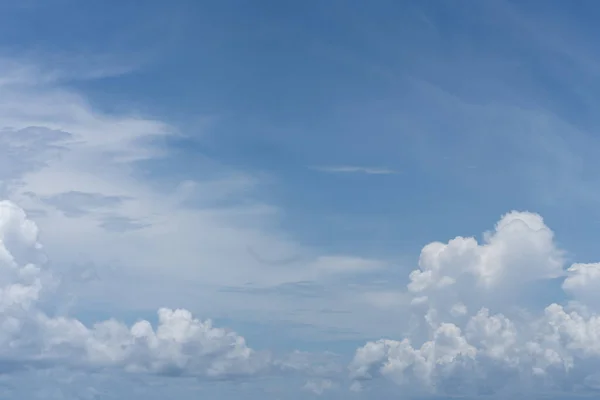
[(179, 345), (473, 332)]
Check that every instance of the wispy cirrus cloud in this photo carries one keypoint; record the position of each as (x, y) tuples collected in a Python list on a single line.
[(96, 181)]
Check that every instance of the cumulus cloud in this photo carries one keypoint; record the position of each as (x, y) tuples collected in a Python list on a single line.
[(179, 345), (583, 281), (475, 333)]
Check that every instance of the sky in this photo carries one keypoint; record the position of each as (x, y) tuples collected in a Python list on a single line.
[(287, 200)]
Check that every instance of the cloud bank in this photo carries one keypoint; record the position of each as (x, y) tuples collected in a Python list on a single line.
[(469, 332), (475, 328), (179, 345)]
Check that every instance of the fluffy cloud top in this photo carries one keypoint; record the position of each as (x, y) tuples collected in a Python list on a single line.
[(179, 345), (473, 337)]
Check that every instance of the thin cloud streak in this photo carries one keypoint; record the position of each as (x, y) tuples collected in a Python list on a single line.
[(349, 169)]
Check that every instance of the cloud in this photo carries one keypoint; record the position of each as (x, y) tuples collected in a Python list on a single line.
[(179, 345), (476, 329), (318, 387), (386, 299), (26, 71), (322, 365), (345, 264), (121, 224), (76, 204), (583, 281), (345, 169), (33, 338), (115, 190)]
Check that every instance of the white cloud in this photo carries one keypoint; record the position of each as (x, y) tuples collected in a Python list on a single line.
[(583, 281), (475, 334), (179, 345), (89, 180), (466, 274), (32, 338), (76, 171)]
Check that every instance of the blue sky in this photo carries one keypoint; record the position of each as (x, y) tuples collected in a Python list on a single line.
[(285, 169)]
